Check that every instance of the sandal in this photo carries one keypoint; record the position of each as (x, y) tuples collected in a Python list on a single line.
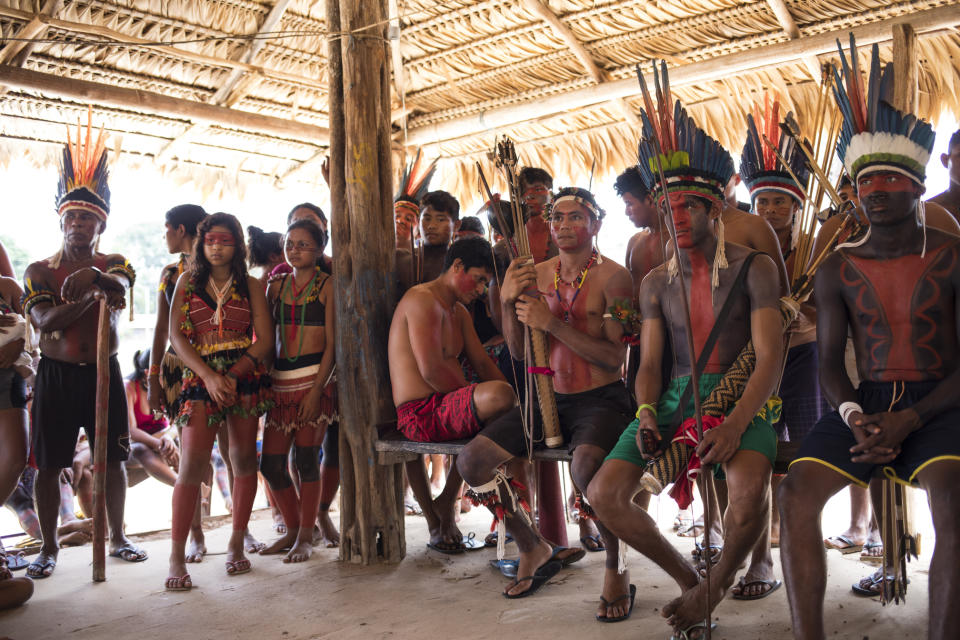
[(596, 541), (237, 567), (843, 544), (698, 626), (866, 556), (608, 603), (128, 552), (539, 578), (179, 583), (742, 585)]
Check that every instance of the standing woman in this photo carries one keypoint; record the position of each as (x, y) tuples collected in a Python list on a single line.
[(305, 404), (166, 368), (216, 309)]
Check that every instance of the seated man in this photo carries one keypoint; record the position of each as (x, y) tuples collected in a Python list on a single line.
[(430, 329), (897, 295), (717, 274), (586, 354)]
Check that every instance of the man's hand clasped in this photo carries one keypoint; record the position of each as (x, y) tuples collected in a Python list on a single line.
[(879, 435), (86, 286)]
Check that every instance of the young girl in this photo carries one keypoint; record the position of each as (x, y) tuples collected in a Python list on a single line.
[(150, 443), (303, 312), (216, 310)]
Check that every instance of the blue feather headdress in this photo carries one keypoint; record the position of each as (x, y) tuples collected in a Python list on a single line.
[(875, 136), (84, 173), (414, 184), (760, 169), (692, 161)]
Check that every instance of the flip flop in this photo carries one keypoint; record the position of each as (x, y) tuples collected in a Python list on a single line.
[(595, 540), (843, 544), (179, 583), (743, 584), (870, 586), (470, 542), (412, 509), (16, 561), (539, 578), (129, 553), (692, 531), (565, 562), (632, 595), (238, 567), (491, 539), (454, 548), (38, 570), (865, 557), (507, 567), (685, 633)]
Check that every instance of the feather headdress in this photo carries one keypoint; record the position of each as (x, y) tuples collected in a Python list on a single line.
[(84, 173), (692, 161), (414, 184), (760, 169), (875, 135)]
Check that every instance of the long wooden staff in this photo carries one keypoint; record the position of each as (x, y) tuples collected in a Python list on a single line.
[(100, 445), (706, 477), (506, 156)]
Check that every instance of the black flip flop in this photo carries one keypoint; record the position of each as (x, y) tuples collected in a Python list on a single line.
[(539, 578), (632, 595), (743, 584), (876, 587), (38, 569), (16, 561), (452, 550), (129, 553), (570, 559)]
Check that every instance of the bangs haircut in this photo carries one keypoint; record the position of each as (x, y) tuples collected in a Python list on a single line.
[(532, 175), (443, 202), (311, 227), (472, 252)]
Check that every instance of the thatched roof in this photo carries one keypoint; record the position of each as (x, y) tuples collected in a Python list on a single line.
[(556, 75)]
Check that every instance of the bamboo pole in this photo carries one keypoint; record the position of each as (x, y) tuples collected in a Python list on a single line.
[(100, 445)]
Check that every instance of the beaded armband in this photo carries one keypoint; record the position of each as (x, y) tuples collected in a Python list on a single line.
[(34, 296), (123, 269)]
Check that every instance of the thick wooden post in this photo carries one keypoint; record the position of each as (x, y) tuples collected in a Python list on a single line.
[(100, 445), (906, 68), (361, 183)]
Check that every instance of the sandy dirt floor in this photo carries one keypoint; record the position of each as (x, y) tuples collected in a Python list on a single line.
[(427, 595)]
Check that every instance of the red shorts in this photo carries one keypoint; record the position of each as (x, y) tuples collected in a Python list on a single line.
[(439, 417)]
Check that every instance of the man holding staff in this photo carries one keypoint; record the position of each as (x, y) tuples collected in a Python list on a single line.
[(580, 288), (62, 295)]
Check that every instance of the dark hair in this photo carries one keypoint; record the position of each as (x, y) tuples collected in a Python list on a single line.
[(188, 215), (473, 252), (630, 181), (845, 181), (308, 205), (441, 201), (200, 267), (472, 223), (312, 228), (507, 212), (141, 363), (582, 194), (530, 175), (262, 245), (954, 140)]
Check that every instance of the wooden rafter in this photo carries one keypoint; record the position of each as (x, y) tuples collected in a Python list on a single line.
[(929, 21), (789, 25), (17, 52)]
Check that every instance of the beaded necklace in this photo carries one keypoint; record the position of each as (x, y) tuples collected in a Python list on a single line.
[(576, 284), (291, 286), (221, 294)]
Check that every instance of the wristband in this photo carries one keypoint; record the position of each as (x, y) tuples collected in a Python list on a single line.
[(99, 274), (154, 370), (846, 408), (649, 407)]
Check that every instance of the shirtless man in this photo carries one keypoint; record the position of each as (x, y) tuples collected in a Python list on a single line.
[(898, 295), (62, 299), (431, 328), (585, 355), (645, 250), (744, 444), (950, 199), (439, 221)]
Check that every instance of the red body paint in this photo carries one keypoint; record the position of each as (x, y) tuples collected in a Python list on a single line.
[(572, 372), (885, 181), (701, 309), (538, 236)]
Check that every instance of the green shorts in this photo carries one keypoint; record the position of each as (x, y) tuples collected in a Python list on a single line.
[(759, 436)]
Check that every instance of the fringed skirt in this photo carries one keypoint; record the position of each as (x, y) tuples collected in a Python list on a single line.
[(291, 385), (171, 379), (253, 391)]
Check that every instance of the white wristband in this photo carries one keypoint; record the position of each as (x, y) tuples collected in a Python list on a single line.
[(846, 408)]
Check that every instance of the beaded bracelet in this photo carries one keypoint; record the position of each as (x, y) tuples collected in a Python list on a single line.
[(651, 408)]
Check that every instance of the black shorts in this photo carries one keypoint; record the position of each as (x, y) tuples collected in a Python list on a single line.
[(64, 400), (803, 404), (596, 417), (13, 390), (938, 439)]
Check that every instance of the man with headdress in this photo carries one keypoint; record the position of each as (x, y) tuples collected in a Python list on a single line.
[(585, 355), (62, 296), (733, 299), (896, 291), (414, 184)]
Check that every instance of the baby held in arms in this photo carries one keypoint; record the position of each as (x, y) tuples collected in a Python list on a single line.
[(13, 327)]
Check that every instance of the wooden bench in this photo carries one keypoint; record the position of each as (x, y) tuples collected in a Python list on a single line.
[(393, 447)]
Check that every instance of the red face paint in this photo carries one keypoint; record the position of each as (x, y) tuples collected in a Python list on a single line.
[(536, 197), (884, 181), (571, 229), (222, 238), (681, 219)]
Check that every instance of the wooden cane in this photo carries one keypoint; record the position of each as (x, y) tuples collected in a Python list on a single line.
[(100, 445)]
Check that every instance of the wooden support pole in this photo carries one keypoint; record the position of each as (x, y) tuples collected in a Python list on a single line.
[(906, 68), (361, 185), (100, 445)]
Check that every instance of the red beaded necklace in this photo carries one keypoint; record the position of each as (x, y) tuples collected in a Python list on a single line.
[(576, 284)]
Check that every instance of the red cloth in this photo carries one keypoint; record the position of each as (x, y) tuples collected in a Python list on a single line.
[(439, 417), (682, 490)]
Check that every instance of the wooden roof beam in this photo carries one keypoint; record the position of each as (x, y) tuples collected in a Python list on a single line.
[(789, 25), (155, 103), (924, 22), (17, 52)]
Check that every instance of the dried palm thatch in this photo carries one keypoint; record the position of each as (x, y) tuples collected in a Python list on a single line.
[(562, 88)]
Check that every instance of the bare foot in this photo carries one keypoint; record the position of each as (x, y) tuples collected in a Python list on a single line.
[(529, 563), (330, 537), (85, 525), (615, 586), (75, 539), (690, 607), (279, 545), (448, 521), (251, 544), (301, 551), (196, 549)]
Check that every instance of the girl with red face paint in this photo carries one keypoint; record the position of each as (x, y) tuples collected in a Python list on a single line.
[(217, 307)]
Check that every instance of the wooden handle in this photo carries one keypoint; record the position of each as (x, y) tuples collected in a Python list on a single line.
[(100, 445), (545, 395)]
